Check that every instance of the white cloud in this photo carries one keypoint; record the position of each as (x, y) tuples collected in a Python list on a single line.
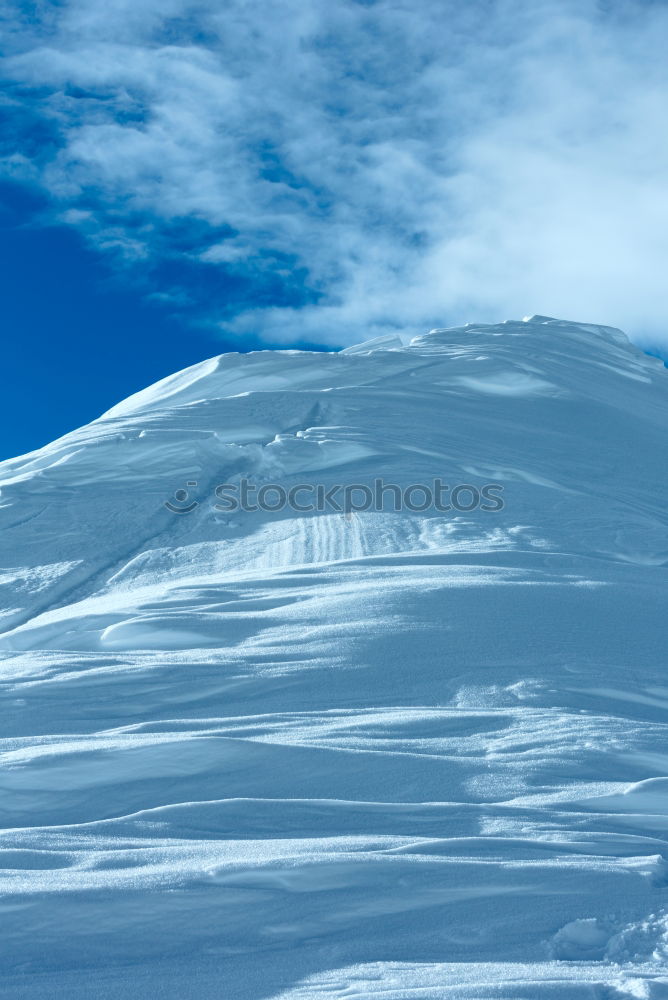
[(426, 163)]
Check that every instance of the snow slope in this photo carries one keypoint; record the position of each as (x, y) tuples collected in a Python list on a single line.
[(382, 754)]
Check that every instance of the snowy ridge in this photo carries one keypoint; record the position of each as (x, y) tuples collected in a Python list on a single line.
[(314, 754)]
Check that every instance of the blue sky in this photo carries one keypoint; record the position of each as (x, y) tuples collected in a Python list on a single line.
[(181, 178), (80, 334)]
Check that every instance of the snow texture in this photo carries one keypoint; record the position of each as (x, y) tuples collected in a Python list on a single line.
[(377, 755)]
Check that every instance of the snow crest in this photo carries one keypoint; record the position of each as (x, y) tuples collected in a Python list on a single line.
[(377, 753)]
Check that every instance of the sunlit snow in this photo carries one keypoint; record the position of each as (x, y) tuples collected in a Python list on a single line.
[(376, 754)]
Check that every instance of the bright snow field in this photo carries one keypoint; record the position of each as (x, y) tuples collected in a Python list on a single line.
[(388, 754)]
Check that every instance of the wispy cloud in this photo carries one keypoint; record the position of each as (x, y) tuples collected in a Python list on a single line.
[(358, 166)]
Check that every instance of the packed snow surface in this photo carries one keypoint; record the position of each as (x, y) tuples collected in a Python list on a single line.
[(379, 754)]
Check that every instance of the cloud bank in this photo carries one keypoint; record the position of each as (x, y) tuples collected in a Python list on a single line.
[(355, 167)]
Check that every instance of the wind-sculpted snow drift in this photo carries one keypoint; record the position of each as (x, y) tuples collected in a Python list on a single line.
[(375, 754)]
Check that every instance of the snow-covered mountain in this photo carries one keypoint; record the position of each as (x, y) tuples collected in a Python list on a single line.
[(344, 753)]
